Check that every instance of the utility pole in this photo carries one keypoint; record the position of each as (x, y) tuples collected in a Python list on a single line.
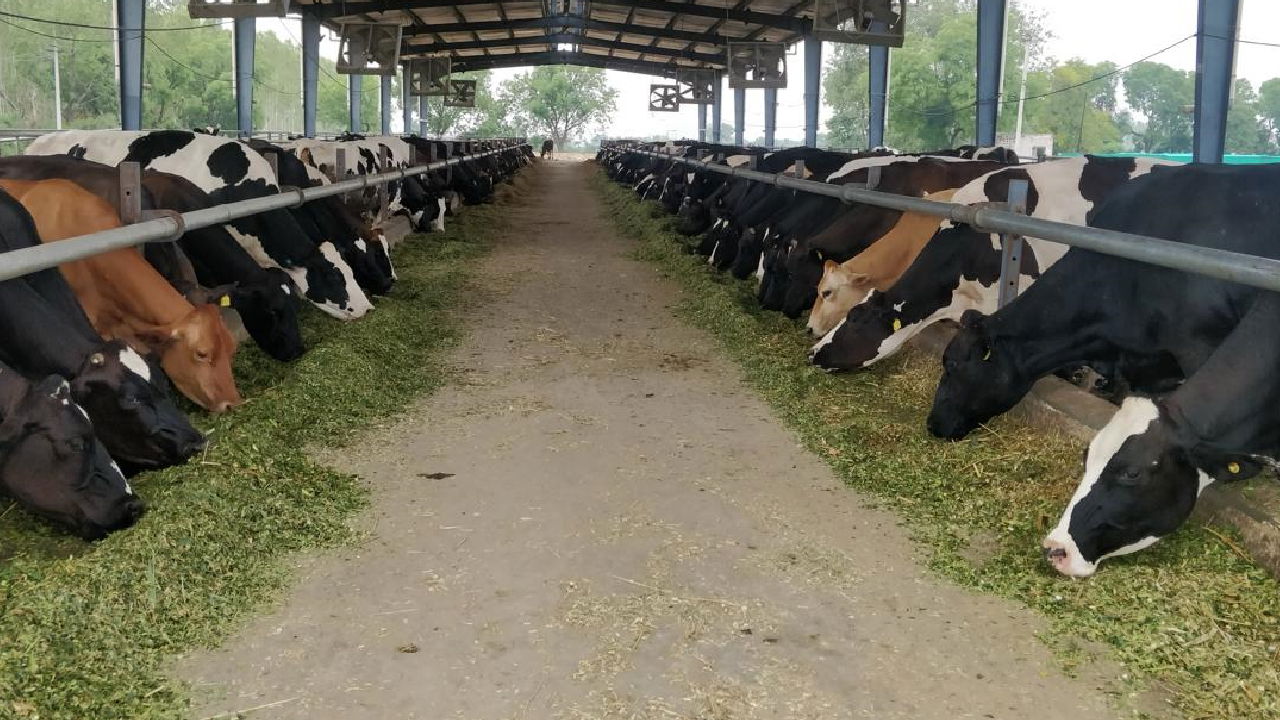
[(1022, 98), (57, 90)]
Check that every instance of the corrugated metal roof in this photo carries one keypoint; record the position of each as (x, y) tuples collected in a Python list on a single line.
[(646, 36)]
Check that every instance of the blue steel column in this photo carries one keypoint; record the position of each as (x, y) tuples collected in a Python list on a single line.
[(716, 106), (702, 123), (310, 72), (739, 115), (354, 85), (770, 116), (130, 22), (878, 94), (991, 15), (1216, 30), (405, 101), (245, 35), (386, 104), (812, 88)]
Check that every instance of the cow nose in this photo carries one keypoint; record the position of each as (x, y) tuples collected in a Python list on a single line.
[(1055, 554), (133, 509)]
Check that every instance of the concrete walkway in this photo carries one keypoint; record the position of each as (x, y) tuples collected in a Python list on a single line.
[(624, 532)]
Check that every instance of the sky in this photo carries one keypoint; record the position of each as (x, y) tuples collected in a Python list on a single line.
[(1121, 31)]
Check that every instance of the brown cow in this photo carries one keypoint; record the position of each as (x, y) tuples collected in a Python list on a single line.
[(845, 284), (126, 299)]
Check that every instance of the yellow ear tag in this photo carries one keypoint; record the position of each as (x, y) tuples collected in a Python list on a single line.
[(987, 356), (897, 324), (1233, 467), (225, 301)]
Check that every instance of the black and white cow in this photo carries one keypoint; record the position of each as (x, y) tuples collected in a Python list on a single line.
[(228, 170), (327, 220), (1151, 325), (44, 332), (959, 269)]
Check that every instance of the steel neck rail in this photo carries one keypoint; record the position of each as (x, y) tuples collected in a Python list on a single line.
[(1236, 267), (17, 263)]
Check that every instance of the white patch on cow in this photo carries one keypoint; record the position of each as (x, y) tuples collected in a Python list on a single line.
[(361, 246), (897, 307), (437, 223), (1204, 480), (1134, 417), (711, 259), (688, 178), (381, 240), (135, 364), (357, 302), (760, 269), (287, 290)]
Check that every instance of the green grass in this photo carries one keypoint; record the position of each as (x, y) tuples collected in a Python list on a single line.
[(1190, 618), (87, 630)]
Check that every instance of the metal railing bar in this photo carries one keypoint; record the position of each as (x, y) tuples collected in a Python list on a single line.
[(1260, 272), (17, 263)]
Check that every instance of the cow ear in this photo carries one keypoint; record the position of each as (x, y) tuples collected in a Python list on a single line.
[(818, 254), (857, 278), (1226, 468), (829, 265)]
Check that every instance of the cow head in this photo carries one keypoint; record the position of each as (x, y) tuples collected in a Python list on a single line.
[(1142, 477), (979, 380), (838, 291), (693, 217), (196, 353), (135, 417), (328, 282), (804, 270), (872, 330), (268, 306), (52, 463)]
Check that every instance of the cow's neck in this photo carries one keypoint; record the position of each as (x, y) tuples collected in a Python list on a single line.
[(1232, 402)]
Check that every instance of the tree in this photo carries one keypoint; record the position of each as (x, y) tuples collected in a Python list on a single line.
[(1247, 132), (1269, 106), (1076, 109), (559, 101), (932, 77), (1164, 96)]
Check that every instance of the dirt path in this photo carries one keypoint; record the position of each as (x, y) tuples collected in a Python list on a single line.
[(624, 532)]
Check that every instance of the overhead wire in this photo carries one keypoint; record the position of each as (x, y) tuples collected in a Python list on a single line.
[(86, 26)]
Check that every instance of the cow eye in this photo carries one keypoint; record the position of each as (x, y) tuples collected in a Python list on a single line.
[(131, 401), (202, 356), (76, 444), (826, 294)]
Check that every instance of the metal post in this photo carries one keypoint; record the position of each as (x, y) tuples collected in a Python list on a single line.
[(385, 100), (57, 90), (770, 116), (1011, 246), (130, 23), (739, 116), (406, 101), (130, 191), (717, 103), (245, 32), (310, 72), (798, 169), (991, 15), (354, 83), (877, 94), (812, 88), (422, 116), (1216, 29), (340, 164), (702, 123)]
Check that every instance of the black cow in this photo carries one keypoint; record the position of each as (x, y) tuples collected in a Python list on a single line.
[(547, 148), (43, 331), (53, 465)]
